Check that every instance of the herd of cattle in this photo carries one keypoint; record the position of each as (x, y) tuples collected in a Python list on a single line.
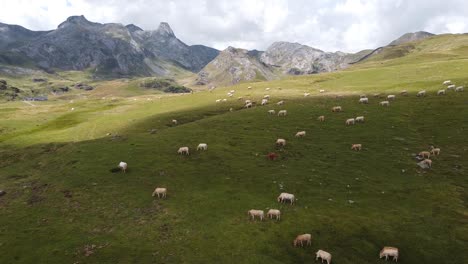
[(306, 239)]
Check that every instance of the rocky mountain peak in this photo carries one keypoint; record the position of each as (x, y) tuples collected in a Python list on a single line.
[(133, 28), (76, 20), (165, 30)]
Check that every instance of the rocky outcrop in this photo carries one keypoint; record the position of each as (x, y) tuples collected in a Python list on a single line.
[(297, 59), (232, 66)]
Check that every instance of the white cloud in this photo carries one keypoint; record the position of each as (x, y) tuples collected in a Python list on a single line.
[(347, 25)]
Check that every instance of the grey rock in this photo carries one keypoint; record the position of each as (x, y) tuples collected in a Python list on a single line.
[(109, 49), (2, 192), (298, 59), (234, 65), (39, 80)]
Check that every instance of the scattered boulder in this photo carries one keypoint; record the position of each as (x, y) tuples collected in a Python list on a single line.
[(39, 80), (3, 85), (2, 192), (15, 90), (85, 87)]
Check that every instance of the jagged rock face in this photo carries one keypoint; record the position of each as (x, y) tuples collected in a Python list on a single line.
[(408, 37), (164, 44), (233, 66), (78, 44), (294, 58), (12, 36), (113, 49)]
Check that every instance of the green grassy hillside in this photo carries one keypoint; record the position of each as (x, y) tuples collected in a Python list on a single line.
[(64, 205)]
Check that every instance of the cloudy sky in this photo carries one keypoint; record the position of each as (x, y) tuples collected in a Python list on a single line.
[(346, 25)]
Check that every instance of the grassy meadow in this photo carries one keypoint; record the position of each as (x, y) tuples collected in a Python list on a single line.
[(64, 205)]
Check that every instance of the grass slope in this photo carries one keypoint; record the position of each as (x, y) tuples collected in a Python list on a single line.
[(61, 197)]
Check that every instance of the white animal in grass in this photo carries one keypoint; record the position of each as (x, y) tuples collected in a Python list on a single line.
[(283, 197), (160, 192), (282, 113), (274, 212), (281, 142), (123, 166), (301, 239), (202, 146), (323, 255), (183, 151), (256, 213), (389, 252)]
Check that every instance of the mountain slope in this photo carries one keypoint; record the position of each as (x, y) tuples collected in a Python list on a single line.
[(409, 37), (108, 49), (297, 59), (232, 66), (13, 36)]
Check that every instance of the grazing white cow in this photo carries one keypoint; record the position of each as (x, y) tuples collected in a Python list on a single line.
[(160, 191), (232, 91), (441, 92), (360, 119), (248, 105), (281, 142), (264, 101), (301, 134), (323, 255), (218, 100), (336, 109), (356, 147), (435, 151), (183, 151), (350, 121), (174, 122), (256, 213), (123, 166), (321, 91), (459, 89), (364, 100), (266, 96), (451, 87), (267, 89), (283, 197), (404, 92), (391, 97), (300, 239), (271, 112), (425, 154), (384, 103), (274, 212), (321, 118), (428, 162), (421, 93), (250, 87), (306, 94), (202, 146), (282, 113), (229, 94), (280, 102), (447, 82), (389, 252), (248, 101)]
